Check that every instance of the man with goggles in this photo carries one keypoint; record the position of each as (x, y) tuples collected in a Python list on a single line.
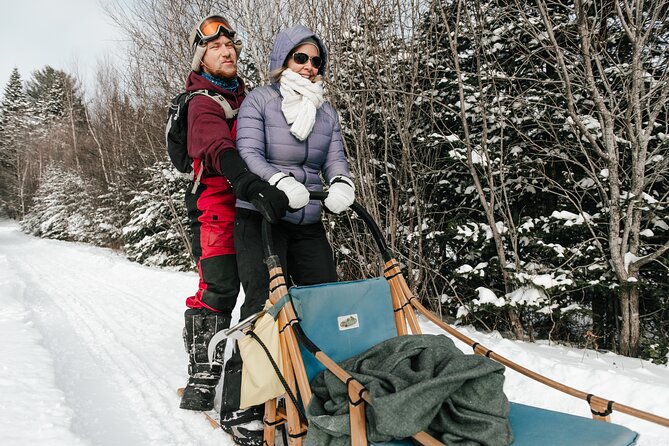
[(210, 29), (220, 176)]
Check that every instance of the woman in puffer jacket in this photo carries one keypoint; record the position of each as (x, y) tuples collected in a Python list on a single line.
[(290, 136)]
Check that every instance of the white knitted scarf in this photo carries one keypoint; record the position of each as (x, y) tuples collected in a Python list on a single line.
[(301, 99)]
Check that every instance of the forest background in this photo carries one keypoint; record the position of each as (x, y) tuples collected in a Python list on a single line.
[(514, 153)]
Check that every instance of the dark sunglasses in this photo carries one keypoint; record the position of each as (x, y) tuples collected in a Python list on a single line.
[(302, 58)]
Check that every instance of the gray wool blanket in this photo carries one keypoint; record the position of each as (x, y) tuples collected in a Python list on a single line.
[(418, 383)]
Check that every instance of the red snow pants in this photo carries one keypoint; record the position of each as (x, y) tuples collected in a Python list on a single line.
[(211, 211)]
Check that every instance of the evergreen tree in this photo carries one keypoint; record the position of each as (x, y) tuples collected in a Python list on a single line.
[(110, 215), (62, 207), (157, 233), (491, 107), (517, 150), (55, 94), (14, 125)]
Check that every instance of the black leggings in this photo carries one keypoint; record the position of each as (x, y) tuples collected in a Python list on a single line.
[(305, 254)]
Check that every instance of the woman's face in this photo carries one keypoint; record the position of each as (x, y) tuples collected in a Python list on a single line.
[(306, 70)]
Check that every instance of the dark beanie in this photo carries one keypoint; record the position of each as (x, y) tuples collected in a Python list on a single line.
[(311, 41)]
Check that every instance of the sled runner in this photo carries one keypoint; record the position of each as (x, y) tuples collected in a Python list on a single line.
[(354, 368)]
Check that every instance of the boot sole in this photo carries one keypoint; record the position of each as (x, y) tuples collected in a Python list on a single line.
[(209, 415)]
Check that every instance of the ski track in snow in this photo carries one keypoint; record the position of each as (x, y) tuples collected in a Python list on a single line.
[(96, 355), (109, 343)]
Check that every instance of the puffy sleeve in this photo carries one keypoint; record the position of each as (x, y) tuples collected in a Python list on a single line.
[(335, 161), (251, 136)]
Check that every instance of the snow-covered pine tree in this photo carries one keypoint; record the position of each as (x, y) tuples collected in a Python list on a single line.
[(14, 124), (615, 89), (110, 215), (536, 148), (47, 92), (157, 233), (60, 118), (472, 83), (62, 208)]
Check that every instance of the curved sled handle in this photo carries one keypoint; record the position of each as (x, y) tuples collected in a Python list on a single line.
[(236, 332), (355, 207)]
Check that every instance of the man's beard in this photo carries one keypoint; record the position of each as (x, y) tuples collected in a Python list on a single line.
[(227, 74), (221, 74)]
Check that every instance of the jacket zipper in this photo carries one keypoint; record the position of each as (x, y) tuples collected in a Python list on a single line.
[(304, 172)]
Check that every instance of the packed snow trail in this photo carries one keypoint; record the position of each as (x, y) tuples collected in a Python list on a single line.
[(92, 355), (96, 351)]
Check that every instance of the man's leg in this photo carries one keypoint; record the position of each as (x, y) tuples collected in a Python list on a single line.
[(214, 301), (201, 325), (211, 307)]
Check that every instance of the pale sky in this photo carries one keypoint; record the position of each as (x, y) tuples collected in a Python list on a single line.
[(70, 35)]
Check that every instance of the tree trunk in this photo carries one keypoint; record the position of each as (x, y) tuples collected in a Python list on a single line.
[(516, 325), (99, 146), (73, 130), (630, 332)]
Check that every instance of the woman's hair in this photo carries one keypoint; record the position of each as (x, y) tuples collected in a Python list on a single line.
[(275, 75)]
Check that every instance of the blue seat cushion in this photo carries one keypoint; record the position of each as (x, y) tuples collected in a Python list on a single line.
[(344, 318), (533, 426)]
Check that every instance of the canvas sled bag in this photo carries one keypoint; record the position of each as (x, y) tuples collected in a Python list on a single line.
[(259, 379)]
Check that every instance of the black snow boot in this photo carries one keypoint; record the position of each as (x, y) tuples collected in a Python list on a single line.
[(201, 326)]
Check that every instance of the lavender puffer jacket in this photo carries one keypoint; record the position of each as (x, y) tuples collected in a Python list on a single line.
[(265, 143)]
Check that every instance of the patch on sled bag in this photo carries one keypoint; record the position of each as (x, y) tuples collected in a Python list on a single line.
[(348, 322)]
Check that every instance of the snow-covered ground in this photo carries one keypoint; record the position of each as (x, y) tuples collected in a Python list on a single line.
[(92, 355)]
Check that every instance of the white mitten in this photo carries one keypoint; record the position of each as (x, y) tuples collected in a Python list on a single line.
[(298, 195), (340, 195)]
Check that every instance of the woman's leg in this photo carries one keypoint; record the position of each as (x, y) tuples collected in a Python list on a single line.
[(246, 425), (310, 257), (251, 266)]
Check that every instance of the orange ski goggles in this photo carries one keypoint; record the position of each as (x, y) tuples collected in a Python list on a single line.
[(212, 27)]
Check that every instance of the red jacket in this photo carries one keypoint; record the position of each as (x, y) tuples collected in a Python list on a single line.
[(209, 134)]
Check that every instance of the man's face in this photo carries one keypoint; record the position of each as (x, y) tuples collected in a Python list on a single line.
[(220, 59)]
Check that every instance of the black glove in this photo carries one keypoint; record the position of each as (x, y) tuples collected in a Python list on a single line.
[(268, 200)]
